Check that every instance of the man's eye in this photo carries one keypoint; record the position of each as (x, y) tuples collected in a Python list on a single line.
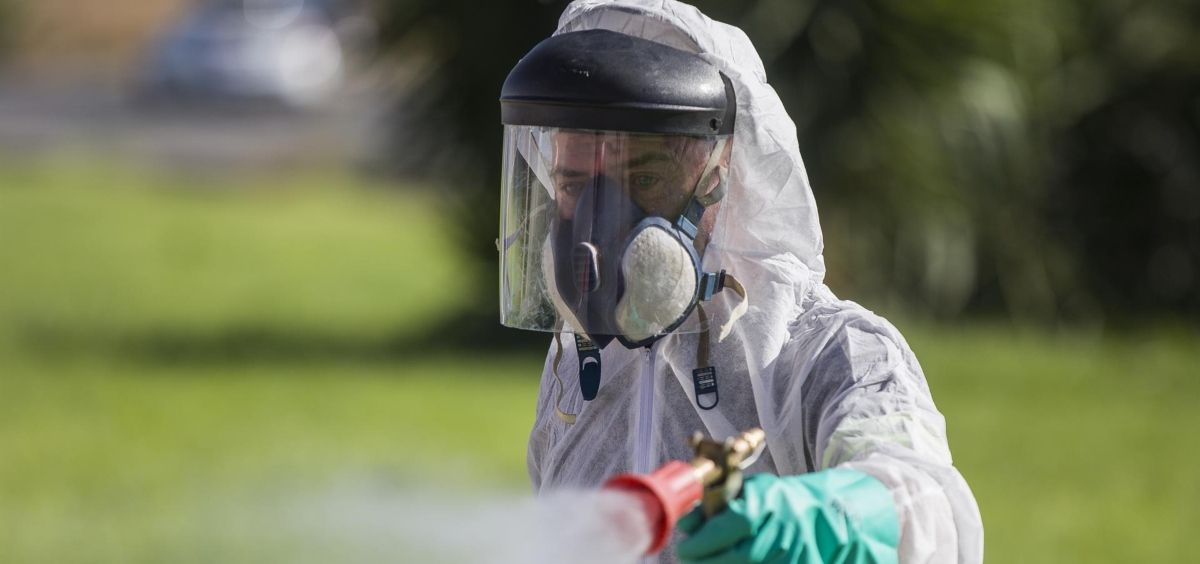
[(570, 188), (644, 181)]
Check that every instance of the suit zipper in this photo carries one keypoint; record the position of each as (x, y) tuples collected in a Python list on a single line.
[(643, 455)]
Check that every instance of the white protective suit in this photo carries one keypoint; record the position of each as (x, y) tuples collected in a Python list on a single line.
[(832, 384)]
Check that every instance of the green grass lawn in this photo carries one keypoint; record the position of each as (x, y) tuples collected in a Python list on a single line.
[(1077, 450), (161, 401)]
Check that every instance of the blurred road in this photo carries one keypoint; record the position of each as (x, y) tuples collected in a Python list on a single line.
[(98, 118)]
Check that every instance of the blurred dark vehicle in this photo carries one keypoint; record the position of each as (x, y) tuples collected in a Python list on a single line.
[(283, 52)]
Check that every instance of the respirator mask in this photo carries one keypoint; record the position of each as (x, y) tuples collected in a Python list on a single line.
[(600, 231)]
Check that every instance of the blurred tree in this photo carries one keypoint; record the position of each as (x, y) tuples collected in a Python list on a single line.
[(983, 156), (909, 131), (447, 124), (1125, 181), (7, 23)]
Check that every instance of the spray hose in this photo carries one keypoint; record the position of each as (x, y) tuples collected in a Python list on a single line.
[(712, 478)]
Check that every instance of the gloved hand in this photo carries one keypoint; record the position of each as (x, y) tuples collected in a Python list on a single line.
[(835, 515)]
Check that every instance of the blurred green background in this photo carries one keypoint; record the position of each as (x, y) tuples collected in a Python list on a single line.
[(210, 309)]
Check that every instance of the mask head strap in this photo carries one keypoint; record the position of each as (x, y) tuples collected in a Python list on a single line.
[(689, 221)]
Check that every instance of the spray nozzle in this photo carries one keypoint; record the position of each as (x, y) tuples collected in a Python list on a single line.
[(712, 478), (719, 465)]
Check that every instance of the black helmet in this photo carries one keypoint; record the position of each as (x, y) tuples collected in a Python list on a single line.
[(604, 80)]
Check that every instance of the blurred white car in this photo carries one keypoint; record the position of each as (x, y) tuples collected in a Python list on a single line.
[(283, 51)]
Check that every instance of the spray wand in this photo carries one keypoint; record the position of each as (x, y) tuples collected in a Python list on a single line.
[(712, 478)]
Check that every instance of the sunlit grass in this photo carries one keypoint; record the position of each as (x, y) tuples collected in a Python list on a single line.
[(121, 462), (91, 251), (1078, 450)]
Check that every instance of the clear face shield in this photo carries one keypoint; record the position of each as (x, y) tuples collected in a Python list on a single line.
[(598, 229)]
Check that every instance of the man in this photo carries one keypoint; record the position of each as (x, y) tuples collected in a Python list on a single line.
[(658, 219)]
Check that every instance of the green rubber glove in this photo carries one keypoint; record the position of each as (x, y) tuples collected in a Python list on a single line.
[(835, 515)]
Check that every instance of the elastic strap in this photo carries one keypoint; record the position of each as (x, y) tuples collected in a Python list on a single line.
[(689, 220), (704, 376), (568, 418), (712, 196), (738, 310)]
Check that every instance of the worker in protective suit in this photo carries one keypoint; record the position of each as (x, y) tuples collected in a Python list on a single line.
[(657, 218)]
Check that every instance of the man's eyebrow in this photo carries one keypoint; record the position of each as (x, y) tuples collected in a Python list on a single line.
[(647, 158), (568, 173)]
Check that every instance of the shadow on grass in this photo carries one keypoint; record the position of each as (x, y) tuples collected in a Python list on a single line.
[(464, 333)]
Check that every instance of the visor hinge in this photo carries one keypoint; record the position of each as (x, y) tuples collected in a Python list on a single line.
[(711, 283)]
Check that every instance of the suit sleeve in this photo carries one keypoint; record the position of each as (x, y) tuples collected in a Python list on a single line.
[(866, 406)]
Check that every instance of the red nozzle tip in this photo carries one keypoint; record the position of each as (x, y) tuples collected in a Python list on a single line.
[(666, 495)]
